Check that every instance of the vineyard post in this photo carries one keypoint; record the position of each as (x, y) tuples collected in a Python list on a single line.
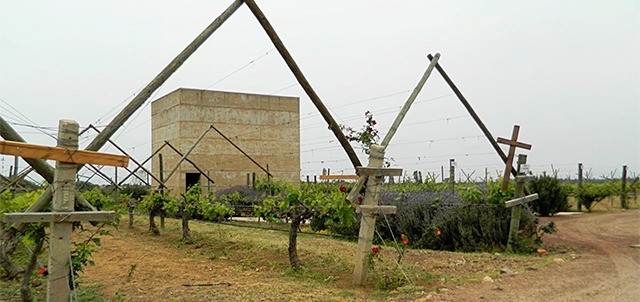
[(162, 188), (577, 198), (623, 188), (516, 208), (374, 173), (62, 215), (452, 175)]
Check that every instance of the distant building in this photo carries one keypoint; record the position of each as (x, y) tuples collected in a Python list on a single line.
[(266, 127)]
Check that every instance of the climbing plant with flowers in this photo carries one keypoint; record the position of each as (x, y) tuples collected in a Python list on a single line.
[(366, 136)]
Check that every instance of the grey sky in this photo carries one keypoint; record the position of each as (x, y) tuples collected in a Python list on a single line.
[(567, 71)]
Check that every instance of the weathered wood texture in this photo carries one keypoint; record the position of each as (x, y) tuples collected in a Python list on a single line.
[(375, 209), (59, 217), (367, 171), (368, 220), (339, 177), (59, 154), (513, 144), (521, 200)]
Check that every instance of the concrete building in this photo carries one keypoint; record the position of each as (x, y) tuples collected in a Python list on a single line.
[(266, 127)]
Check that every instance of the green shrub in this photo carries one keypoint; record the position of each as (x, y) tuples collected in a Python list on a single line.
[(552, 197), (592, 193)]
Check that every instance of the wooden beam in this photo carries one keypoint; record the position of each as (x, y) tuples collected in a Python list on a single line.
[(512, 143), (375, 209), (61, 154), (521, 200), (59, 216), (366, 171), (524, 177), (339, 177)]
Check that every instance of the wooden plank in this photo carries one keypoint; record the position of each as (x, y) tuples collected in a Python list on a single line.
[(521, 200), (59, 216), (375, 209), (512, 143), (339, 177), (366, 171), (524, 177), (61, 154)]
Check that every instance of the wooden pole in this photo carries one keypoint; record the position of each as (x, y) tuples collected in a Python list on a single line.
[(147, 91), (578, 201), (302, 80), (398, 120), (516, 210), (162, 190), (452, 175), (623, 189), (409, 102), (368, 221), (473, 114), (175, 168), (63, 201)]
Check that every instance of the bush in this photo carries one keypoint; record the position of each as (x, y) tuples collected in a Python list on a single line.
[(552, 197), (441, 220)]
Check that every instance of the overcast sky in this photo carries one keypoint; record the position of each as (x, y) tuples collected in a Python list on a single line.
[(568, 72)]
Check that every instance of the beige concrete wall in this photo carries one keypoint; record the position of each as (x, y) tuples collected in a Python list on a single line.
[(265, 127)]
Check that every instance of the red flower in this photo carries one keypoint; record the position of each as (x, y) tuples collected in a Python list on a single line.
[(438, 233), (343, 189), (359, 199), (43, 271), (405, 239), (375, 249)]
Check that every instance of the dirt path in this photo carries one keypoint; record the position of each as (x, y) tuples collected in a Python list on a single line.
[(607, 268), (594, 263)]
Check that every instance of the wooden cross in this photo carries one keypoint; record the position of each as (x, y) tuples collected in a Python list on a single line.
[(67, 157), (370, 208), (513, 144)]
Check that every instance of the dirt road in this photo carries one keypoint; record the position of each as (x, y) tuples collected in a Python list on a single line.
[(606, 269)]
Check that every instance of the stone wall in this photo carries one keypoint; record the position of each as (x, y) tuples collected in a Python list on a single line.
[(265, 127)]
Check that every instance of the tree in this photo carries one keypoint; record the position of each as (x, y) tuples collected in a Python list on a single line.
[(285, 201), (193, 202), (155, 203)]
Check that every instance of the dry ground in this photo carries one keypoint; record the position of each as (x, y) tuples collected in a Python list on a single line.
[(590, 259)]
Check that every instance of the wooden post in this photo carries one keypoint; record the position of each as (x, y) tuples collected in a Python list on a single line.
[(452, 175), (442, 172), (623, 189), (578, 201), (60, 239), (253, 180), (248, 180), (368, 221), (152, 224), (62, 216), (515, 210)]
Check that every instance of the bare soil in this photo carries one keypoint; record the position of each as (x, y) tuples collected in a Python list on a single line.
[(590, 259), (606, 267)]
